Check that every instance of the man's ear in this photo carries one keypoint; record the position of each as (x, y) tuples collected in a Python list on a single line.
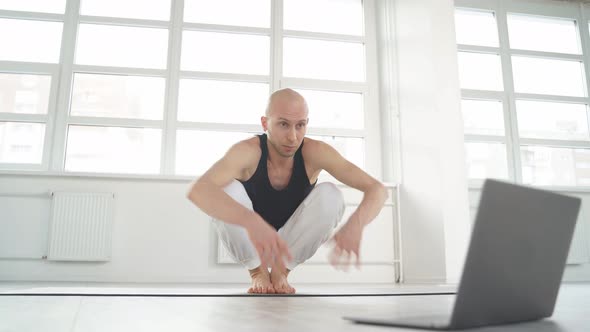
[(264, 122)]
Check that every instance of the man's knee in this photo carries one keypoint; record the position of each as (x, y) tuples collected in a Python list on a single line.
[(236, 190), (329, 195), (328, 202)]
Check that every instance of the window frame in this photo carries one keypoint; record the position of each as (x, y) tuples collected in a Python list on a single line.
[(50, 69), (572, 11), (58, 118)]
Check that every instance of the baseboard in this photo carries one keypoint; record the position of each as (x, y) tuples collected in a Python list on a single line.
[(228, 274), (427, 281)]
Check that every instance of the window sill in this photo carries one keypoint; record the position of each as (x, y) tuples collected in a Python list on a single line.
[(85, 175), (131, 177), (478, 185)]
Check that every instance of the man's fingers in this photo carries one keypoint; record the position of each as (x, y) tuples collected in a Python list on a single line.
[(336, 256), (276, 257), (260, 252), (332, 258), (358, 259), (266, 257), (346, 263), (263, 263), (341, 259), (284, 250), (279, 263)]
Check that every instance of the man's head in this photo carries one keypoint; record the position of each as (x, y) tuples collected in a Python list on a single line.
[(285, 121)]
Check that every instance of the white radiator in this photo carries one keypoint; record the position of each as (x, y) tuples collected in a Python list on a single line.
[(81, 226)]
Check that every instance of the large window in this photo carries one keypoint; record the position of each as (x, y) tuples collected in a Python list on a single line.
[(165, 87), (523, 73)]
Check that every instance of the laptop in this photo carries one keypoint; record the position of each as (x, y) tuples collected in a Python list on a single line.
[(515, 262)]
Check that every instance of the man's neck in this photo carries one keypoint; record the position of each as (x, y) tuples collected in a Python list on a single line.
[(277, 160)]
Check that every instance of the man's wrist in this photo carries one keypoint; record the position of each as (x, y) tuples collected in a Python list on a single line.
[(252, 220), (356, 221)]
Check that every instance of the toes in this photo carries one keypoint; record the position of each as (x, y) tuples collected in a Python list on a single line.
[(255, 290), (261, 290)]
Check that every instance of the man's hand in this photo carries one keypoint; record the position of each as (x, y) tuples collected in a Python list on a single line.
[(271, 248), (346, 242)]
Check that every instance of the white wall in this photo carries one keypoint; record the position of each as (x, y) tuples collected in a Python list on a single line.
[(159, 236), (433, 189)]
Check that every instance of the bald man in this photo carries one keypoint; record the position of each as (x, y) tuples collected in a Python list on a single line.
[(265, 203)]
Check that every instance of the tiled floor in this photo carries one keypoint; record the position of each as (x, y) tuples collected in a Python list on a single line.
[(128, 314)]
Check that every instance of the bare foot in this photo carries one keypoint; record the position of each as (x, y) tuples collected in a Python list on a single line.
[(280, 283), (260, 282)]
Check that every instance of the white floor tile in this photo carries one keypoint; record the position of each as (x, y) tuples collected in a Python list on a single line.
[(233, 314), (34, 314)]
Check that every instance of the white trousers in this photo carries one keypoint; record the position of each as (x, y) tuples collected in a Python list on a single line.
[(306, 230)]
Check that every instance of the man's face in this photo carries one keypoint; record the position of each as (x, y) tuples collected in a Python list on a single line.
[(286, 126)]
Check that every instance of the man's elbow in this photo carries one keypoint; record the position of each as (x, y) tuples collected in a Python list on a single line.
[(193, 193), (382, 191)]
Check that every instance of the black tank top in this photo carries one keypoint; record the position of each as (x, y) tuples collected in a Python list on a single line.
[(276, 206)]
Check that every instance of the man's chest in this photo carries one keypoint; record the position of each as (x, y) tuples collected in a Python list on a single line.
[(279, 177)]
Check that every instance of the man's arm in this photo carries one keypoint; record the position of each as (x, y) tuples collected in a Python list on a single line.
[(347, 239), (207, 194), (348, 173), (207, 191)]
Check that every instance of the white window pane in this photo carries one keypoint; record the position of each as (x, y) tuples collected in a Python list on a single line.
[(319, 16), (329, 109), (480, 71), (351, 148), (251, 13), (552, 120), (109, 45), (42, 6), (24, 93), (149, 10), (548, 76), (118, 96), (21, 142), (555, 166), (197, 151), (486, 160), (543, 34), (225, 52), (113, 150), (482, 117), (30, 41), (320, 59), (476, 28), (221, 101)]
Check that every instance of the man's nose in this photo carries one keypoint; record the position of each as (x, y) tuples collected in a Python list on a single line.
[(293, 134)]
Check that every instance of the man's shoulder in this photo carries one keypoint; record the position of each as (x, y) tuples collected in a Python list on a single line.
[(314, 150), (249, 143), (247, 148), (314, 145)]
